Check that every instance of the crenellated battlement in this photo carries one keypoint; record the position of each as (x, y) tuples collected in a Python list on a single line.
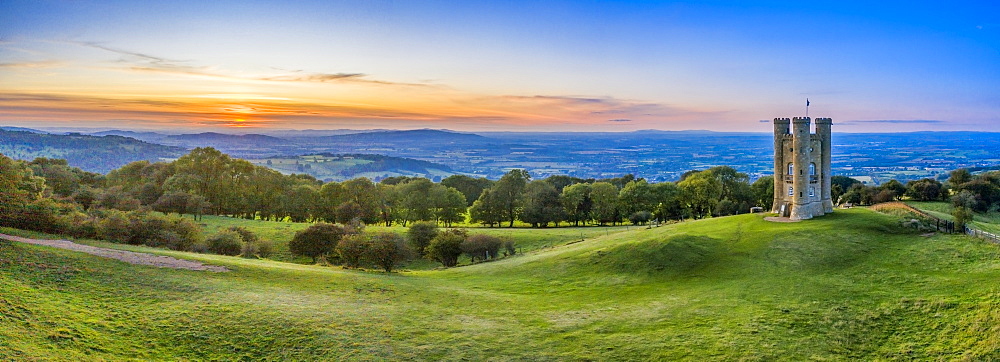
[(800, 120)]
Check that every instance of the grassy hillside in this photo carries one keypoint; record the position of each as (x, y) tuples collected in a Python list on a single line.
[(851, 285), (526, 239)]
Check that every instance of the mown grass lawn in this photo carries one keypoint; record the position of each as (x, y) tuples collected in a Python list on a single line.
[(850, 285)]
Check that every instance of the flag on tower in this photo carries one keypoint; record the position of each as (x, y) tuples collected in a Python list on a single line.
[(807, 102)]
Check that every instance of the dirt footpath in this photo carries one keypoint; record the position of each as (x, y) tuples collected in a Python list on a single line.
[(126, 256)]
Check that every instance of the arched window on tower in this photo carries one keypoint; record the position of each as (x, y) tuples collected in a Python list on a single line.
[(791, 191), (791, 169), (812, 191), (812, 169)]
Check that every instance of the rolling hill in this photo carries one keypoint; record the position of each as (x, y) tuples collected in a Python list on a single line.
[(340, 167), (91, 153), (854, 285)]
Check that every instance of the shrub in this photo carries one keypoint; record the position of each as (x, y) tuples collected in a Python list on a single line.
[(252, 245), (420, 235), (446, 247), (481, 246), (316, 241), (509, 247), (352, 250), (225, 242), (114, 227), (386, 250)]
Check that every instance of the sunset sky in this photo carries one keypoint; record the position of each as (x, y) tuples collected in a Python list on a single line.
[(498, 65)]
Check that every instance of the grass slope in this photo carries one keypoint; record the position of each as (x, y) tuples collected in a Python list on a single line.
[(279, 233), (851, 285), (989, 221)]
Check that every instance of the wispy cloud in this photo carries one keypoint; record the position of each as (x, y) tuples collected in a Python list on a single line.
[(620, 120), (38, 64)]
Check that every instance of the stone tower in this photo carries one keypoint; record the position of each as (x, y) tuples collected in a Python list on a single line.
[(802, 168)]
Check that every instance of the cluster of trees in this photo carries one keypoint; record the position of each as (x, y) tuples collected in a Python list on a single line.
[(859, 194), (351, 247), (206, 181), (980, 193), (713, 192)]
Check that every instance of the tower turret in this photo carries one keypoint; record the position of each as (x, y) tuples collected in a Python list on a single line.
[(780, 133), (801, 160)]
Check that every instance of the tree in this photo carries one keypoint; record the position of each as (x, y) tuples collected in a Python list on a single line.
[(316, 241), (763, 192), (636, 196), (541, 204), (700, 192), (668, 203), (508, 192), (927, 189), (839, 185), (576, 202), (605, 202), (959, 177), (446, 247), (420, 235), (963, 215), (470, 187), (897, 188), (482, 247), (640, 217), (449, 205), (386, 250), (19, 190), (488, 210)]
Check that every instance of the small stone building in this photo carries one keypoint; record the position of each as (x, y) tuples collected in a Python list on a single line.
[(802, 168)]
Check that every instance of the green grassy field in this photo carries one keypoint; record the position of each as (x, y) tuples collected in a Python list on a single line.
[(526, 239), (853, 285)]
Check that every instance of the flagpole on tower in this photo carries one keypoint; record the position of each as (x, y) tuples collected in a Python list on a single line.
[(807, 107)]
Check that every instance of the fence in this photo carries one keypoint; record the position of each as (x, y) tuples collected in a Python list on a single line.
[(988, 236), (942, 225)]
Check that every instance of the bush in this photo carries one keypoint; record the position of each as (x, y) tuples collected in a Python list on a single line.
[(252, 245), (114, 227), (482, 247), (420, 235), (316, 241), (225, 242), (386, 250), (352, 250), (446, 247), (509, 247)]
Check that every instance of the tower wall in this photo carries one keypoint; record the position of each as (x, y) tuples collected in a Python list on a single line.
[(823, 126), (780, 132), (801, 160)]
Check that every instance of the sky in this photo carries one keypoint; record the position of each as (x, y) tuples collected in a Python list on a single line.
[(564, 66)]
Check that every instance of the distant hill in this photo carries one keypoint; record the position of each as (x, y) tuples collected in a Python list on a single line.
[(213, 139), (91, 153), (21, 129), (151, 137), (420, 135), (339, 167)]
